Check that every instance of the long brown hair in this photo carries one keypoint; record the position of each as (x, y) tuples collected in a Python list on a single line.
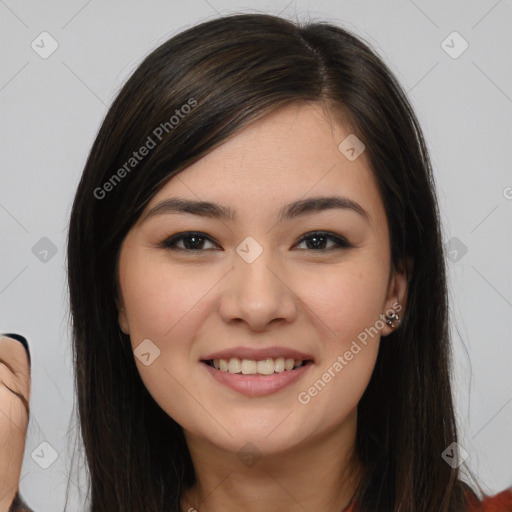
[(230, 72)]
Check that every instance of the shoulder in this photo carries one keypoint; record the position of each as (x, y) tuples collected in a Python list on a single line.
[(501, 502)]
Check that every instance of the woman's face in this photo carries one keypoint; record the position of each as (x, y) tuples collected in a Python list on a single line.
[(252, 286)]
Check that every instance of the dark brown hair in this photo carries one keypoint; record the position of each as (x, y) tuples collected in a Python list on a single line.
[(236, 69), (18, 505)]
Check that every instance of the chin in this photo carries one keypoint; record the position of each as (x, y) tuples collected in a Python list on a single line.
[(266, 434)]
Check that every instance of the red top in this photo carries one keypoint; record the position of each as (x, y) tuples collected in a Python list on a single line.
[(501, 502)]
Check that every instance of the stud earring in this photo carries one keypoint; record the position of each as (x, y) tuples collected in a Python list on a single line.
[(393, 320)]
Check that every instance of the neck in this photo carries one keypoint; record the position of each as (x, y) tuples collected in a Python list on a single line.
[(316, 474)]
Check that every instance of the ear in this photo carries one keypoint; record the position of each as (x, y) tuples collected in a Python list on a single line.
[(122, 319), (397, 292)]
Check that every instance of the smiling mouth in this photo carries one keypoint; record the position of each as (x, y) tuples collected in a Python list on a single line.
[(264, 367)]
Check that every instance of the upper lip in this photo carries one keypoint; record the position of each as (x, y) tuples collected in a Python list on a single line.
[(258, 354)]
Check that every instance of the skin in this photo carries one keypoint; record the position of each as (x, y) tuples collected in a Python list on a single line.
[(192, 303), (14, 381)]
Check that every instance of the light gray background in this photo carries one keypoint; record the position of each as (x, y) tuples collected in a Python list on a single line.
[(52, 108)]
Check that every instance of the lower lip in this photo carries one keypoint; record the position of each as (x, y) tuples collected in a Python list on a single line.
[(258, 385)]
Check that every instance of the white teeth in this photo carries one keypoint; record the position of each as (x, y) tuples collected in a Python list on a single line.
[(279, 365), (266, 367), (234, 365), (249, 366), (252, 367)]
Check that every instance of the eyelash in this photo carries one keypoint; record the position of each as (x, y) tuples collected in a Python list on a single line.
[(170, 242)]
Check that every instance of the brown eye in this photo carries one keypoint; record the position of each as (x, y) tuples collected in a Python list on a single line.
[(319, 240), (195, 241), (192, 241)]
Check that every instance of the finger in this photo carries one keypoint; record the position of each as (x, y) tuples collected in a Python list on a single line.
[(22, 399), (23, 341), (14, 414), (15, 368)]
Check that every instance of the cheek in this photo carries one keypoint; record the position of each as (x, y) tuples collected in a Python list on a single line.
[(158, 296), (347, 305), (345, 300), (167, 305)]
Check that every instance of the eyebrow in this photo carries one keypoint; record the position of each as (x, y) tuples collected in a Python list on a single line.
[(288, 212)]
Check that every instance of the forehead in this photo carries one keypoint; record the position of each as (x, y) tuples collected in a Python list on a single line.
[(289, 154)]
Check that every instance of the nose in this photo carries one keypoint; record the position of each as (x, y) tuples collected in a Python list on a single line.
[(258, 294)]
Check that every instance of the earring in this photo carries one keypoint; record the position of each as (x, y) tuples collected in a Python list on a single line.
[(122, 309), (393, 320)]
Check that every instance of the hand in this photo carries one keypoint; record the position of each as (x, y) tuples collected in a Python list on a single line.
[(14, 416)]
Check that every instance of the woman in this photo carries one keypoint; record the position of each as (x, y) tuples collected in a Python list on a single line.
[(299, 360)]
